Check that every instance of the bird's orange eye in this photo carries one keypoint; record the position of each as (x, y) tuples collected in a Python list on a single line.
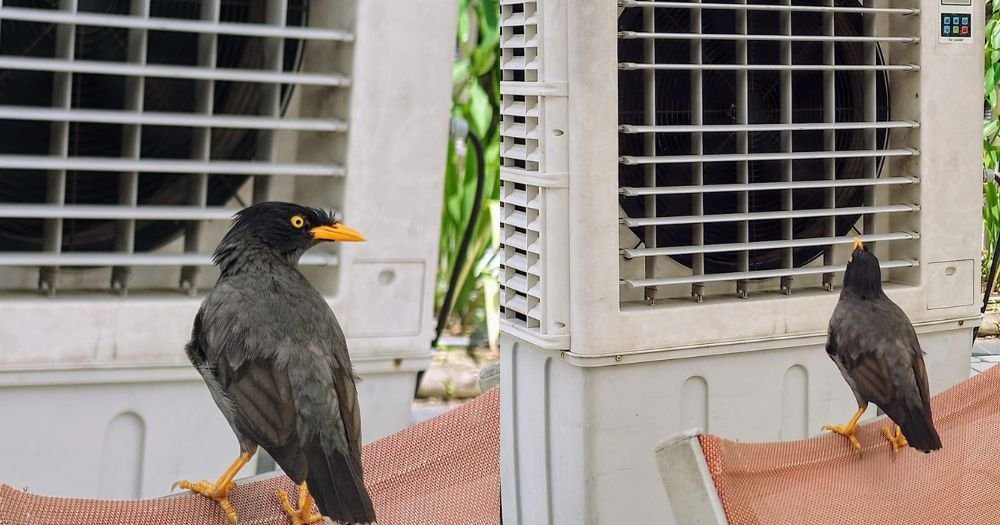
[(298, 221)]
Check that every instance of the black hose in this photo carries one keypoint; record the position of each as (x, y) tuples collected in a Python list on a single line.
[(463, 247)]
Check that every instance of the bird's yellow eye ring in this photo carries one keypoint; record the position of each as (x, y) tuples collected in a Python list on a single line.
[(298, 221)]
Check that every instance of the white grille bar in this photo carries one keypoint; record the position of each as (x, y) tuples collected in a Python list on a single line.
[(760, 274), (519, 151), (519, 241), (520, 63), (215, 167), (519, 282), (128, 183), (766, 215), (697, 170), (85, 211), (765, 186), (190, 120), (767, 7), (211, 11), (519, 303), (793, 126), (518, 262), (55, 190), (517, 41), (637, 35), (134, 259), (518, 19), (161, 71), (204, 104), (794, 155), (520, 198), (628, 66), (630, 253), (173, 24), (519, 109), (519, 131)]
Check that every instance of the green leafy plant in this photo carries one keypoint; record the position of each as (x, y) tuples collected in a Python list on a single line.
[(476, 99), (991, 130)]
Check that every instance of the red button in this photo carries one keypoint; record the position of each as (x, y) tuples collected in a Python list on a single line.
[(965, 30)]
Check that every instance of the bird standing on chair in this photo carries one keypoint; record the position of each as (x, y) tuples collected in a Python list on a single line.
[(275, 361), (873, 343)]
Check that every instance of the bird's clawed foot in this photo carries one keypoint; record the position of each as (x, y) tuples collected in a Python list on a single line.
[(850, 428), (303, 515), (897, 441), (216, 493), (219, 491), (846, 431)]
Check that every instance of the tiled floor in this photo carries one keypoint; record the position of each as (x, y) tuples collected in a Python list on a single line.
[(985, 354)]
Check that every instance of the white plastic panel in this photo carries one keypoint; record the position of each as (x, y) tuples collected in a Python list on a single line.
[(127, 436), (578, 442)]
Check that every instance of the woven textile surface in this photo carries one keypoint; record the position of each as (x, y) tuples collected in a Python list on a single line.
[(443, 471), (825, 480)]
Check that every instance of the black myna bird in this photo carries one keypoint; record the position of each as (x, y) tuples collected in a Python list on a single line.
[(275, 360), (873, 343)]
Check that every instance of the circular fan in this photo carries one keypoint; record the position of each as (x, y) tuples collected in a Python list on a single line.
[(108, 92), (673, 107)]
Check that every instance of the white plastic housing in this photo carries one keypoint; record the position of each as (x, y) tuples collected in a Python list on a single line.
[(81, 372), (594, 379)]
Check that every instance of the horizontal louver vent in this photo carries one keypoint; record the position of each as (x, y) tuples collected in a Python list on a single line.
[(520, 157), (757, 139), (129, 125)]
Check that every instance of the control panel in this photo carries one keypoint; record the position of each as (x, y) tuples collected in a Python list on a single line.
[(955, 22)]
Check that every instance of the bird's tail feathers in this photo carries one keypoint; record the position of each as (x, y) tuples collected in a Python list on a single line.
[(918, 428), (336, 483)]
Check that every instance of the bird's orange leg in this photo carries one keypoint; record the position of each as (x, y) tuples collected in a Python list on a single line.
[(219, 491), (849, 429), (303, 515), (898, 441)]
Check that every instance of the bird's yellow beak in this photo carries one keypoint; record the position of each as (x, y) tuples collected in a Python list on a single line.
[(858, 243), (337, 232)]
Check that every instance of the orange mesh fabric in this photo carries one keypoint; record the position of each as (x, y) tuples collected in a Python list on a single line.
[(443, 471), (825, 480)]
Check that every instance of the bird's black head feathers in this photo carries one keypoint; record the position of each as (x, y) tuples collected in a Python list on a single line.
[(863, 276), (283, 229)]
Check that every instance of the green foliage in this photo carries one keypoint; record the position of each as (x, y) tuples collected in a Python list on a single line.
[(991, 130), (476, 98)]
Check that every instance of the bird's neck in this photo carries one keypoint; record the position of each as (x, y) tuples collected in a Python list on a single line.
[(865, 293), (254, 257)]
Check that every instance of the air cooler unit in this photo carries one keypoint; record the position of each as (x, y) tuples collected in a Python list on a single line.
[(681, 184), (132, 131)]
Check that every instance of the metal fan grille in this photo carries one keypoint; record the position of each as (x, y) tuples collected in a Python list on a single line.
[(130, 123), (753, 139)]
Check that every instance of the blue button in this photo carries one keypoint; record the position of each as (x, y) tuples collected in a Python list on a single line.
[(947, 20), (965, 20), (947, 30)]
